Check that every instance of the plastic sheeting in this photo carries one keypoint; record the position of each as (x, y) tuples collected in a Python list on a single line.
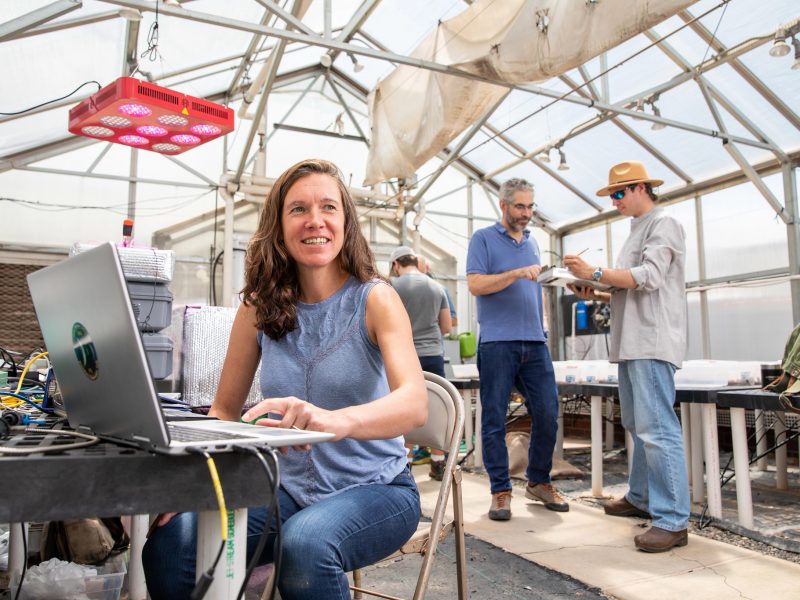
[(415, 113)]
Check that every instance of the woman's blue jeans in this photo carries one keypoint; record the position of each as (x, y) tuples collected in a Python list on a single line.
[(658, 481), (320, 543), (526, 366)]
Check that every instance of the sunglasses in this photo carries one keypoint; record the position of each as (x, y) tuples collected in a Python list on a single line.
[(620, 194)]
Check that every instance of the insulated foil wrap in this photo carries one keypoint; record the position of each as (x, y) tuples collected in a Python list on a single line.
[(206, 331), (139, 264)]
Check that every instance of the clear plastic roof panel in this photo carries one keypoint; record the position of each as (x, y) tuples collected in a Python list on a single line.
[(203, 59)]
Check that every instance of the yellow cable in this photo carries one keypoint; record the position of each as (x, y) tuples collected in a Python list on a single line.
[(27, 366), (223, 513)]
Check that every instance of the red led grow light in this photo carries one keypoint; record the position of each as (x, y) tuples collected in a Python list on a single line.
[(150, 117)]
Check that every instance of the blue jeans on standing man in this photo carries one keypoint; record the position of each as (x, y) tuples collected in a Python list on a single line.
[(321, 543), (528, 367), (658, 481)]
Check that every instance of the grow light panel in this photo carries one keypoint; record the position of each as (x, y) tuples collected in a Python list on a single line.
[(150, 117)]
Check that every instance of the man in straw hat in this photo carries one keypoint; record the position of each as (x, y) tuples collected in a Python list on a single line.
[(648, 340)]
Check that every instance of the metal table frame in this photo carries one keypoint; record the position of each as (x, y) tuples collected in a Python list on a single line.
[(737, 401), (700, 437), (107, 480)]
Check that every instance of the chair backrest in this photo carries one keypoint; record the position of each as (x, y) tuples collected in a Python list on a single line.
[(442, 430), (445, 421)]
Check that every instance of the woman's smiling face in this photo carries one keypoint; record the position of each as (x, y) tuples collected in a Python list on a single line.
[(313, 221)]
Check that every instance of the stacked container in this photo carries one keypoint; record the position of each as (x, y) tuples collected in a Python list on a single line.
[(147, 273)]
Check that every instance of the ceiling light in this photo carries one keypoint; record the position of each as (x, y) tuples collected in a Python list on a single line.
[(544, 156), (796, 45), (779, 48), (656, 125), (141, 114), (357, 66), (325, 60), (562, 165), (639, 108)]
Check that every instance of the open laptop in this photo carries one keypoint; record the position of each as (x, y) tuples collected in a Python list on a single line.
[(99, 360)]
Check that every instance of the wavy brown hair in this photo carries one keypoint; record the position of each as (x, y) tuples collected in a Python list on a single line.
[(271, 283)]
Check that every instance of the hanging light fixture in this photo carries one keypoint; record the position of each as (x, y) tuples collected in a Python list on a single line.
[(357, 66), (656, 125), (779, 47), (639, 108), (796, 64), (656, 112), (147, 116), (544, 155), (562, 164)]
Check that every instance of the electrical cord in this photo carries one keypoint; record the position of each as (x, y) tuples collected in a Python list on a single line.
[(24, 560), (25, 370), (19, 112), (273, 476), (207, 578), (89, 440), (21, 398), (8, 359)]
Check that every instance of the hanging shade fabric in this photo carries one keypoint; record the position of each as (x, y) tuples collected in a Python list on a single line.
[(415, 113)]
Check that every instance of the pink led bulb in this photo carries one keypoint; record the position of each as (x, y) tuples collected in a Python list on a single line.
[(135, 110), (204, 129), (151, 131), (134, 140), (184, 139)]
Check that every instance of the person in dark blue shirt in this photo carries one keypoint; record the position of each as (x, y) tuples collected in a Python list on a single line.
[(503, 263)]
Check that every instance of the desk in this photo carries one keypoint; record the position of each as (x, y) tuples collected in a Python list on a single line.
[(699, 434), (107, 480), (471, 389), (738, 401)]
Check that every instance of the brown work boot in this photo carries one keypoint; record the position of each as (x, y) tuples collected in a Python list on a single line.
[(620, 507), (501, 506), (546, 494), (656, 539), (437, 470)]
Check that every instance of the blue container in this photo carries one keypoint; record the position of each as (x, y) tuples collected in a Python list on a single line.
[(581, 315)]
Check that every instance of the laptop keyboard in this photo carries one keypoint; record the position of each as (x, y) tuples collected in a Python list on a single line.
[(186, 434)]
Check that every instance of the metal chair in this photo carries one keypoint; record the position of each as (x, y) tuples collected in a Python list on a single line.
[(443, 430)]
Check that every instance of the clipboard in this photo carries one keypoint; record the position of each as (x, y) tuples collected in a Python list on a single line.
[(562, 276)]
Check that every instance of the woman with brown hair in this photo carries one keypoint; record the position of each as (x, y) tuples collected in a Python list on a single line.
[(337, 355)]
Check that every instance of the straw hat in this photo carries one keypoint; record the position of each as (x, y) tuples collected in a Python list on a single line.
[(627, 173)]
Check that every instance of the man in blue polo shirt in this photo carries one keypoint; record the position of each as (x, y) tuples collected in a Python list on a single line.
[(502, 267)]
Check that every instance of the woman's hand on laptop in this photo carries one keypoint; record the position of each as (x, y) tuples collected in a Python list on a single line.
[(298, 414)]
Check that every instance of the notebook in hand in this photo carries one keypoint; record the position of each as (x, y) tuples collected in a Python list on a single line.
[(98, 357), (562, 276)]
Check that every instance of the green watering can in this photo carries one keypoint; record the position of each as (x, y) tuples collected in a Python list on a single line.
[(467, 344)]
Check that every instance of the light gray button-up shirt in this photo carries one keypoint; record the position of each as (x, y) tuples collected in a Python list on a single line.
[(649, 321)]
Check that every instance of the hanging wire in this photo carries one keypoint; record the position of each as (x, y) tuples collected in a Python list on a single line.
[(152, 41), (19, 112)]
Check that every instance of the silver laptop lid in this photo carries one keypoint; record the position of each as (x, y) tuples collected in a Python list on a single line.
[(96, 350)]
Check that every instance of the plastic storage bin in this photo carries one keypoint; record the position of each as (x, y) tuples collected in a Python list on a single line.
[(105, 585), (159, 354), (152, 305)]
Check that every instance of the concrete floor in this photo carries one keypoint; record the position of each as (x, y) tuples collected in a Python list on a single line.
[(587, 547)]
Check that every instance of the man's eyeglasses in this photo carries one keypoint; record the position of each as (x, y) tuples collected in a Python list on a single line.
[(521, 207), (620, 194)]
